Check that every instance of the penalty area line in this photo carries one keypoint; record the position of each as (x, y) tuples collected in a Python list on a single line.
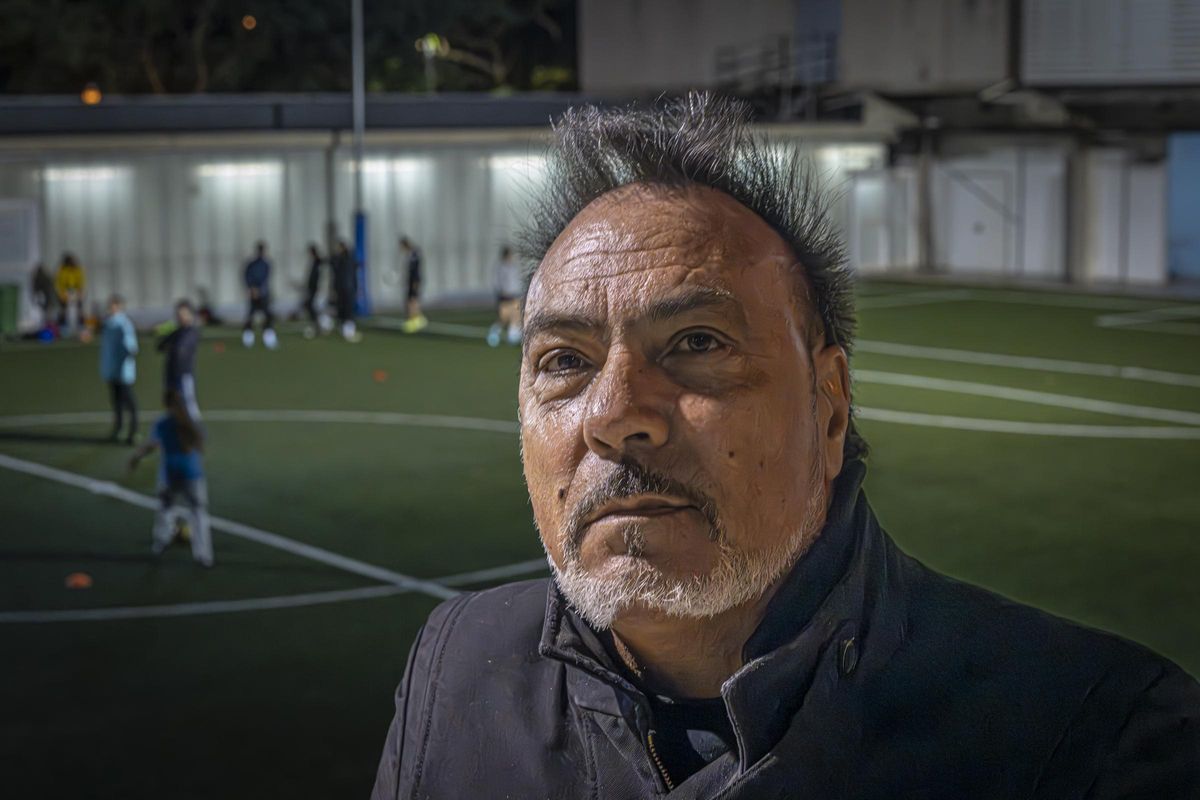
[(329, 558), (205, 607)]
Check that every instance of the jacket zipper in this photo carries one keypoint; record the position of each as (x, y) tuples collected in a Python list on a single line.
[(662, 770)]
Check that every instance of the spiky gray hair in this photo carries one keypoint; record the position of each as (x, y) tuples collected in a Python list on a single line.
[(706, 140)]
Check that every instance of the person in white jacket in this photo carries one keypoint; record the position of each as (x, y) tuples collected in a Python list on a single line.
[(510, 288), (118, 366)]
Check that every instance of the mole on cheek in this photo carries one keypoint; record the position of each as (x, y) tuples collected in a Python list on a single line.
[(562, 493)]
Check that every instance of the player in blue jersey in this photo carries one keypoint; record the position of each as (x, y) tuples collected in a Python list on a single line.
[(182, 489)]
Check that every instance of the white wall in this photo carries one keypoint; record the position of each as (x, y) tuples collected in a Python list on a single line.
[(1001, 211), (1107, 42), (998, 209), (882, 225), (923, 46), (157, 223), (1123, 218), (20, 247), (639, 46)]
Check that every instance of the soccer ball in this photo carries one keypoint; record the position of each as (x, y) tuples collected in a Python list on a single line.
[(183, 531)]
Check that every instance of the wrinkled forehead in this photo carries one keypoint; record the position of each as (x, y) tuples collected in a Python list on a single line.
[(641, 241)]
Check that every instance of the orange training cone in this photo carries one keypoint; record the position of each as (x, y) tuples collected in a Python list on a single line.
[(79, 580)]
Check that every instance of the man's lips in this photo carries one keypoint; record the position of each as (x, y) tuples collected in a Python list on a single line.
[(640, 506)]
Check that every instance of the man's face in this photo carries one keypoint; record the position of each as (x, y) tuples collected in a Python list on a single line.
[(678, 432), (183, 315)]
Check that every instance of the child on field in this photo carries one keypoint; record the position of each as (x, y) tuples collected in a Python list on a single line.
[(180, 477)]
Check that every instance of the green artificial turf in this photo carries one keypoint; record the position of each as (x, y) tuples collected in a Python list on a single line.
[(295, 702)]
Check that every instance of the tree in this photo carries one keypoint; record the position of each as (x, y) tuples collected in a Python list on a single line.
[(165, 46)]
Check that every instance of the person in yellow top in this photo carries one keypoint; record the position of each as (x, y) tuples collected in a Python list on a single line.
[(69, 284)]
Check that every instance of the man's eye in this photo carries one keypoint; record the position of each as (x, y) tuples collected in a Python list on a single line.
[(698, 342), (565, 361)]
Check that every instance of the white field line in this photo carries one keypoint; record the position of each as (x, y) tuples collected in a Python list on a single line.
[(1028, 362), (202, 607), (1060, 300), (265, 415), (914, 298), (1029, 396), (261, 603), (1175, 328), (447, 328), (494, 573), (1149, 315), (1025, 428), (110, 489), (435, 586), (1155, 320)]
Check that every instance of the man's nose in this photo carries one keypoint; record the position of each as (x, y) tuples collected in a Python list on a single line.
[(628, 409)]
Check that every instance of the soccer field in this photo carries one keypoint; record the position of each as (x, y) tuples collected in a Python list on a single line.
[(1044, 445)]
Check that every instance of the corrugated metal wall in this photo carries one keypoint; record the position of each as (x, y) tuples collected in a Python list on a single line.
[(157, 222), (1110, 42), (162, 224)]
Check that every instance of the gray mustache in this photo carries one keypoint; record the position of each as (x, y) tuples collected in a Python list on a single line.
[(629, 479)]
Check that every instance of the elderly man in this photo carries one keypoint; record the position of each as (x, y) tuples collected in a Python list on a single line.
[(726, 618)]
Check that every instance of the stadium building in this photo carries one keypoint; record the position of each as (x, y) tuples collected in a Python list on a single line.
[(1019, 143)]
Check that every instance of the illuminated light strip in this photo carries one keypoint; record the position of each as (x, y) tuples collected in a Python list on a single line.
[(82, 173), (375, 166), (240, 169)]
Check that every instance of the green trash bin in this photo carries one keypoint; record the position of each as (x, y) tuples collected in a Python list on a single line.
[(10, 307)]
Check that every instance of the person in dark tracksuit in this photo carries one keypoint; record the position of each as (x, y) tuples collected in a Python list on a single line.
[(118, 366), (412, 261), (345, 280), (179, 346), (317, 320), (45, 296), (257, 278)]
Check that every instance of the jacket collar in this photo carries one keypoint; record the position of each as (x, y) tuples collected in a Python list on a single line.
[(839, 611)]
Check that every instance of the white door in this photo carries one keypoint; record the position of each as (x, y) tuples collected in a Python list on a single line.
[(20, 250), (976, 208)]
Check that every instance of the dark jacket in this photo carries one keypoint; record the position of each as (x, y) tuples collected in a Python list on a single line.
[(314, 275), (345, 274), (870, 677), (180, 348), (258, 275)]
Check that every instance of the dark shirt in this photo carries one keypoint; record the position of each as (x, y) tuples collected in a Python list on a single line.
[(345, 273), (258, 274), (180, 348), (178, 462), (688, 734), (314, 275), (414, 266), (43, 287)]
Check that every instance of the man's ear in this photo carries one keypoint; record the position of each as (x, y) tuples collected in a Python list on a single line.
[(832, 370)]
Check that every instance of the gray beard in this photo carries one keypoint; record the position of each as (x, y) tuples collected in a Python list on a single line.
[(628, 581)]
